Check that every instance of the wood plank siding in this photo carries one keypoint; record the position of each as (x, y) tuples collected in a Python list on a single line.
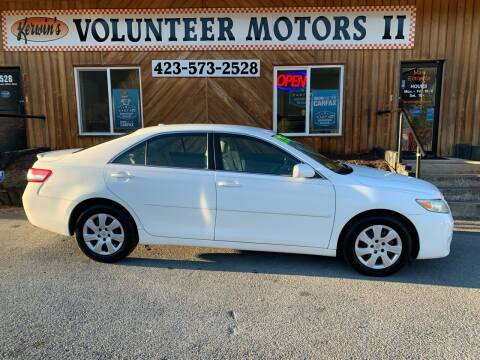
[(446, 30)]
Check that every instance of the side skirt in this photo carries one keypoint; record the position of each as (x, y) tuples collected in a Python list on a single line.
[(147, 239)]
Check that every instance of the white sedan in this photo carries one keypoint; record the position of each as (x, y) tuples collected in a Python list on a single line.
[(234, 187)]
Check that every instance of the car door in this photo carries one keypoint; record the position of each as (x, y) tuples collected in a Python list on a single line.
[(259, 201), (167, 182)]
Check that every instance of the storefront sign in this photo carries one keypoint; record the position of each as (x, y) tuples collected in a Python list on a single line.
[(357, 27), (126, 115), (292, 80), (324, 110), (417, 84), (206, 68), (9, 90)]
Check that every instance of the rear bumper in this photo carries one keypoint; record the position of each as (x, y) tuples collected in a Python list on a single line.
[(46, 212), (435, 234)]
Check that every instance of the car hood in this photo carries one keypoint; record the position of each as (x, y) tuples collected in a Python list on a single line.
[(379, 178)]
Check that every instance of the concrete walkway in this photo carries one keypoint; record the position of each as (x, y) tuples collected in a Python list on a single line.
[(459, 181)]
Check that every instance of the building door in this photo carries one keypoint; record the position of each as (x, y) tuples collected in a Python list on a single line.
[(420, 87), (12, 129)]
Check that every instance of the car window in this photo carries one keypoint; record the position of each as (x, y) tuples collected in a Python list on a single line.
[(336, 166), (178, 150), (246, 154), (133, 156)]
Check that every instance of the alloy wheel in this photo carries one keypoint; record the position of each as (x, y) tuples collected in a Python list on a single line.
[(378, 247), (103, 234)]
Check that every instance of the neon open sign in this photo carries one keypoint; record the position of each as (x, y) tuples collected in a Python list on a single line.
[(292, 80)]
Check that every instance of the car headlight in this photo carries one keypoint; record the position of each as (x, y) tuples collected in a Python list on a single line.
[(435, 205)]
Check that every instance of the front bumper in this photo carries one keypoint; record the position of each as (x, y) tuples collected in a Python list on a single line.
[(435, 233)]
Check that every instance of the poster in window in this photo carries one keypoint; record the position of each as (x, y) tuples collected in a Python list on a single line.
[(430, 114), (297, 98), (126, 106), (324, 110)]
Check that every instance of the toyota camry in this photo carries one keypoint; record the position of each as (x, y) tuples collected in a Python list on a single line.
[(237, 187)]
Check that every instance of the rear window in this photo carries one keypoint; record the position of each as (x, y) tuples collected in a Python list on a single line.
[(187, 151)]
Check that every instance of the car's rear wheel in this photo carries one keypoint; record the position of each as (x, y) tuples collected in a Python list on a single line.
[(377, 245), (105, 233)]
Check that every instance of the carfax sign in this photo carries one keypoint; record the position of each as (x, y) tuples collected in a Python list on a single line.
[(356, 27), (325, 106), (126, 107)]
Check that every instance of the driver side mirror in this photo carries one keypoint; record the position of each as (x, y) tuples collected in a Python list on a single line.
[(303, 171)]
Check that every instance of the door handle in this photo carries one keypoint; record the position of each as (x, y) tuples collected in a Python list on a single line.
[(121, 175), (228, 183)]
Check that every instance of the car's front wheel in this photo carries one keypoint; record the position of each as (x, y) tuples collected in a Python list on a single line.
[(377, 245), (105, 233)]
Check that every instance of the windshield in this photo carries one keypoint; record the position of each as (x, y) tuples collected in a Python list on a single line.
[(336, 166)]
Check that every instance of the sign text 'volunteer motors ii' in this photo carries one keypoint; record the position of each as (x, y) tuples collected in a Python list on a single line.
[(364, 27)]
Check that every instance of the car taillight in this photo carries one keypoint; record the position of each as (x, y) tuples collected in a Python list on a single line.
[(38, 175)]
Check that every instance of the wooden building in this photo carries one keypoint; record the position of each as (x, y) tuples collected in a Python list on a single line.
[(85, 90)]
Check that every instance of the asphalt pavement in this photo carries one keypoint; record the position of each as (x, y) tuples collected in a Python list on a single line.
[(197, 303)]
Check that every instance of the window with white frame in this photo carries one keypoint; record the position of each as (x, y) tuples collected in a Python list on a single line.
[(109, 100), (319, 113)]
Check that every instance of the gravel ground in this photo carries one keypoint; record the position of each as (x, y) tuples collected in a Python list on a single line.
[(196, 303)]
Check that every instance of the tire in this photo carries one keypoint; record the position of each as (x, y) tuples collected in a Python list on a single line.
[(105, 233), (377, 245)]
